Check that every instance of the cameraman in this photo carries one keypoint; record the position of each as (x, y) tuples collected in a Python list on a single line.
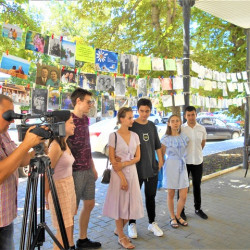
[(11, 157)]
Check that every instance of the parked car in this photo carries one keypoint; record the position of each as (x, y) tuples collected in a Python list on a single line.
[(164, 119), (153, 118), (100, 131), (205, 114), (217, 129)]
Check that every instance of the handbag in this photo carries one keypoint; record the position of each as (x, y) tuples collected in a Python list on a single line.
[(107, 172)]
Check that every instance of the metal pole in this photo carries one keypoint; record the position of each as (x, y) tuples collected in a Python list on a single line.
[(247, 107), (186, 6)]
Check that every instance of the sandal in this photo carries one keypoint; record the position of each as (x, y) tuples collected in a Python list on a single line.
[(172, 224), (125, 243), (183, 223)]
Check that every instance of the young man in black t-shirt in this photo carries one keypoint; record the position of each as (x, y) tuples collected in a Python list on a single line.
[(147, 167)]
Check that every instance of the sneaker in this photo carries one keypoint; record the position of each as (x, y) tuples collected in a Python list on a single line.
[(155, 229), (201, 214), (87, 243), (132, 231)]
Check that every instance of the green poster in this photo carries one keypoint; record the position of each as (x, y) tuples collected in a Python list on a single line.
[(170, 64), (144, 63), (85, 53)]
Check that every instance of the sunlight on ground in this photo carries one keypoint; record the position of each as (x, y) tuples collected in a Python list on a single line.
[(231, 155)]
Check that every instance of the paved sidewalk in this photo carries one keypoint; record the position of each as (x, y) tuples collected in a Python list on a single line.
[(226, 200)]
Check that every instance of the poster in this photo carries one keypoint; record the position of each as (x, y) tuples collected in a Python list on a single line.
[(157, 64), (85, 53), (39, 99), (54, 97), (120, 86), (87, 81), (142, 87), (12, 31), (36, 42), (144, 63), (108, 106), (66, 101), (170, 65), (106, 61), (68, 53), (105, 83), (15, 66), (54, 47)]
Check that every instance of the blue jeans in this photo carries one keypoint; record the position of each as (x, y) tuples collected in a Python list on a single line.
[(6, 237)]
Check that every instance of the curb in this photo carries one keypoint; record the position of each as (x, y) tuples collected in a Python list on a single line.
[(213, 175), (224, 171)]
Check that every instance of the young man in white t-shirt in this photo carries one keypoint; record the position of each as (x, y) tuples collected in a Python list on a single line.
[(197, 139)]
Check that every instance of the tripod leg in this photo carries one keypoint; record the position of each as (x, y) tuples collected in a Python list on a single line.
[(32, 211), (25, 213), (57, 208), (41, 228)]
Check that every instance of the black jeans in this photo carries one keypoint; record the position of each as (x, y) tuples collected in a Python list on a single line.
[(196, 172), (150, 188), (6, 237)]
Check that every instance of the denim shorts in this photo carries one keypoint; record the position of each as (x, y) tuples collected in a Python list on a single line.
[(84, 185)]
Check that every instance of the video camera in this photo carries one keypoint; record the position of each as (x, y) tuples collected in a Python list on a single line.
[(48, 119)]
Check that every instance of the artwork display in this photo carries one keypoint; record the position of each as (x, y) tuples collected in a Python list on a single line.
[(87, 81), (106, 61), (68, 53), (36, 42), (105, 83), (47, 75), (12, 31), (15, 66), (39, 99)]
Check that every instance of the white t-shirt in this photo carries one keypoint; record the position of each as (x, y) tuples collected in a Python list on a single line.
[(194, 150)]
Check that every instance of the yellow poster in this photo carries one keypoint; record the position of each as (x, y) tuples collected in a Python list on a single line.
[(144, 63), (85, 53)]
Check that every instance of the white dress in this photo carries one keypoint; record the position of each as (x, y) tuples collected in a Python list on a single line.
[(175, 170)]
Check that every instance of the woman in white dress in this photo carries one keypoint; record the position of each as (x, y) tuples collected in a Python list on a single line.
[(174, 144)]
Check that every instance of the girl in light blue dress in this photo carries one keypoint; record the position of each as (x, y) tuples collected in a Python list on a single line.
[(174, 144)]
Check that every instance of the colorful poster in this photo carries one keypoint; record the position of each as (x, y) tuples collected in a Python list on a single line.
[(144, 63), (15, 66), (68, 53), (170, 65), (85, 53), (106, 61), (108, 106), (54, 97), (36, 42), (12, 31), (87, 81), (48, 75)]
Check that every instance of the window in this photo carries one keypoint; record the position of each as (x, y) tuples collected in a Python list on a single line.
[(219, 123), (207, 121)]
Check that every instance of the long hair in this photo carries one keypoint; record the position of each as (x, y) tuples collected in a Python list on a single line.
[(169, 130), (60, 140)]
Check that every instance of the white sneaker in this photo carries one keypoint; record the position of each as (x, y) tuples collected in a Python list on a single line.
[(155, 229), (132, 232)]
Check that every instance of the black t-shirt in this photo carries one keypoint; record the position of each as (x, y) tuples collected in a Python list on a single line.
[(147, 166)]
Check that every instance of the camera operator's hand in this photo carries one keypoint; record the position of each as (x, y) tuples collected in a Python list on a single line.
[(32, 139)]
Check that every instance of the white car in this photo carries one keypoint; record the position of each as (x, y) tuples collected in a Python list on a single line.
[(153, 118), (99, 134), (100, 131)]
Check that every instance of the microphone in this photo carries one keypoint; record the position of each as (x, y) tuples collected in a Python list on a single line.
[(58, 113), (11, 115)]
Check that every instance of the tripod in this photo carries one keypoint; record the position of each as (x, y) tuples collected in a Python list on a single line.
[(36, 233)]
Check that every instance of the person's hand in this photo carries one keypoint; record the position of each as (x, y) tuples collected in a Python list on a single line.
[(32, 139), (118, 159), (124, 184), (117, 166), (160, 164), (95, 174)]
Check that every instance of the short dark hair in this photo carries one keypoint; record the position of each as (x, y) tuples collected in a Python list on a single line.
[(79, 93), (5, 97), (190, 108), (144, 102)]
